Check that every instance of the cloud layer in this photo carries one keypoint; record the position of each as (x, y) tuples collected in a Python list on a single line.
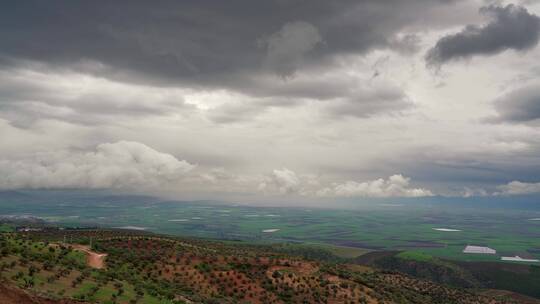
[(201, 44), (27, 95), (281, 99)]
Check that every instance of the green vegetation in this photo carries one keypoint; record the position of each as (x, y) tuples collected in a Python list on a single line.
[(521, 278), (58, 271), (524, 279), (346, 233), (328, 236), (6, 228), (156, 269), (415, 256)]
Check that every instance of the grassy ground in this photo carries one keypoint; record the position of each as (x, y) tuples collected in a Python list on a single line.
[(6, 228), (415, 256)]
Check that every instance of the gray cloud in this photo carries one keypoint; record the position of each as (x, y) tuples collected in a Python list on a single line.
[(511, 27), (286, 48), (334, 93), (200, 43), (27, 95), (369, 101), (240, 46), (407, 44), (483, 166), (233, 113), (521, 105), (233, 78)]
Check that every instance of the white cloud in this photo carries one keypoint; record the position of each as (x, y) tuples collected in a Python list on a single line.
[(286, 180), (395, 186), (517, 187), (283, 180), (122, 164), (471, 192)]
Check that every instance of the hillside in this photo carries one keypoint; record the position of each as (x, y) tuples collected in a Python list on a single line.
[(521, 278), (146, 268)]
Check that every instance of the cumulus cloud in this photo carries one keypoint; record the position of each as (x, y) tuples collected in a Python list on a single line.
[(121, 164), (511, 27), (521, 105), (286, 181), (472, 192), (395, 186), (517, 188), (287, 47)]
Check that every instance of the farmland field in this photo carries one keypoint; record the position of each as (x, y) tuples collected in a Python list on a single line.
[(351, 231), (358, 228)]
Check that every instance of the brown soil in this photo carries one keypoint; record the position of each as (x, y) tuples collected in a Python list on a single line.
[(516, 296)]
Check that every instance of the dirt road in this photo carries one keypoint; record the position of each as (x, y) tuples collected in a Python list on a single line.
[(94, 259)]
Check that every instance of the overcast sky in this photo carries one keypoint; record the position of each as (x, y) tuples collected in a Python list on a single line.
[(281, 99)]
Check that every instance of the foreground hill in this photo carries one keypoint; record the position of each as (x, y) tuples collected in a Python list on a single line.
[(146, 268), (13, 295)]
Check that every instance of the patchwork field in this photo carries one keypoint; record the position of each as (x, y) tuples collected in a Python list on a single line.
[(352, 231)]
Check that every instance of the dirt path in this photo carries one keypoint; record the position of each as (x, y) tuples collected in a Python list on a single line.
[(94, 259)]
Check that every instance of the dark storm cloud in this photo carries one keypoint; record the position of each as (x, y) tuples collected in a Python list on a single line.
[(198, 42), (254, 48), (519, 106), (511, 27)]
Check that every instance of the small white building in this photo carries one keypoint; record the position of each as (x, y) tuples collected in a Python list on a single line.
[(479, 249), (28, 229), (519, 259)]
